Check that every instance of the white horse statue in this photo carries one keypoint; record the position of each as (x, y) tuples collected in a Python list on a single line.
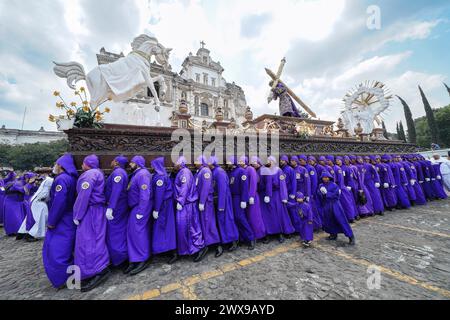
[(124, 78)]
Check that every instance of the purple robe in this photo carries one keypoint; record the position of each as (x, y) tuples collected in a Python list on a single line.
[(140, 202), (4, 184), (164, 229), (91, 252), (306, 221), (347, 201), (275, 215), (436, 183), (402, 196), (335, 220), (117, 200), (371, 178), (30, 190), (426, 182), (224, 206), (414, 181), (239, 193), (59, 242), (314, 179), (205, 191), (254, 214), (14, 209), (387, 185), (405, 173), (292, 178), (189, 229), (366, 209)]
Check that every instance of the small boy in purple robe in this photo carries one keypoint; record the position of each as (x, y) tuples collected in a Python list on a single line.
[(91, 253), (189, 230), (229, 233), (304, 211), (59, 242), (334, 221), (140, 202), (117, 212), (205, 190), (164, 228)]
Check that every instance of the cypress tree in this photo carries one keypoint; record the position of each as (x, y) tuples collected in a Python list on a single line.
[(430, 118), (398, 132), (448, 89), (402, 132), (412, 137), (385, 133)]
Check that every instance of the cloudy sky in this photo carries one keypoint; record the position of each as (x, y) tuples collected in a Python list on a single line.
[(327, 44)]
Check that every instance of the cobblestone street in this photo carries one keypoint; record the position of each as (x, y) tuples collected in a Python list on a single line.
[(410, 248)]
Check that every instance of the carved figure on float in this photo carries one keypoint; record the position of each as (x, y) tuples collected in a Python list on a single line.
[(124, 78)]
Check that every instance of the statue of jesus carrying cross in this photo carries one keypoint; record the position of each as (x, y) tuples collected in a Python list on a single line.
[(280, 90)]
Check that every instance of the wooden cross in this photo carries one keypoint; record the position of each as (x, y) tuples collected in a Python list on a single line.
[(277, 79), (203, 44)]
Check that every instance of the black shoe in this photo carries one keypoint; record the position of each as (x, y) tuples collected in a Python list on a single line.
[(252, 245), (234, 246), (201, 254), (381, 213), (130, 267), (123, 266), (281, 238), (332, 237), (266, 240), (306, 244), (352, 221), (139, 267), (219, 251), (174, 258), (358, 218), (351, 241), (20, 236), (96, 281), (29, 238)]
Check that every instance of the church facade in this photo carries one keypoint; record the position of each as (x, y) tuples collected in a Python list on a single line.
[(199, 85)]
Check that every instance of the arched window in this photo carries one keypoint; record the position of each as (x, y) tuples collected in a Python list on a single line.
[(205, 110)]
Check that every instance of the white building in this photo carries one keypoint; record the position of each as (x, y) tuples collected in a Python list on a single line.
[(19, 137), (200, 83)]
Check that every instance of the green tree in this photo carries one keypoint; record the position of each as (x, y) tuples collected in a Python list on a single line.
[(412, 137), (430, 118), (402, 135), (448, 89), (29, 156), (442, 117), (385, 133), (398, 131)]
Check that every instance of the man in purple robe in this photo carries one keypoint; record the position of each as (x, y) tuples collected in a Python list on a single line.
[(239, 192), (427, 175), (402, 196), (14, 209), (164, 229), (405, 179), (29, 188), (59, 243), (314, 201), (205, 190), (372, 182), (291, 175), (189, 230), (334, 221), (436, 180), (387, 182), (4, 184), (254, 214), (91, 253), (140, 202), (117, 212), (229, 233), (347, 201), (414, 180), (275, 214), (364, 209)]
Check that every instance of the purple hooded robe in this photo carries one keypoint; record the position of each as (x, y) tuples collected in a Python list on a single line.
[(140, 201), (4, 184), (414, 181), (387, 182), (405, 174), (164, 229), (14, 209), (427, 184), (347, 201), (436, 181), (314, 179), (239, 193), (402, 196), (372, 182), (304, 211), (59, 242), (275, 214), (224, 204), (91, 252), (366, 209), (254, 214), (189, 229), (334, 219), (291, 175), (205, 190), (117, 200)]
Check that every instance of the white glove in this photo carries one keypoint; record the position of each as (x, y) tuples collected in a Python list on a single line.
[(221, 210), (77, 222), (427, 179), (386, 185), (323, 190), (251, 200), (284, 201), (413, 182), (349, 188), (109, 214), (139, 217), (266, 199), (155, 215), (243, 205), (377, 185), (438, 177), (307, 199), (292, 196), (179, 207), (201, 207)]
